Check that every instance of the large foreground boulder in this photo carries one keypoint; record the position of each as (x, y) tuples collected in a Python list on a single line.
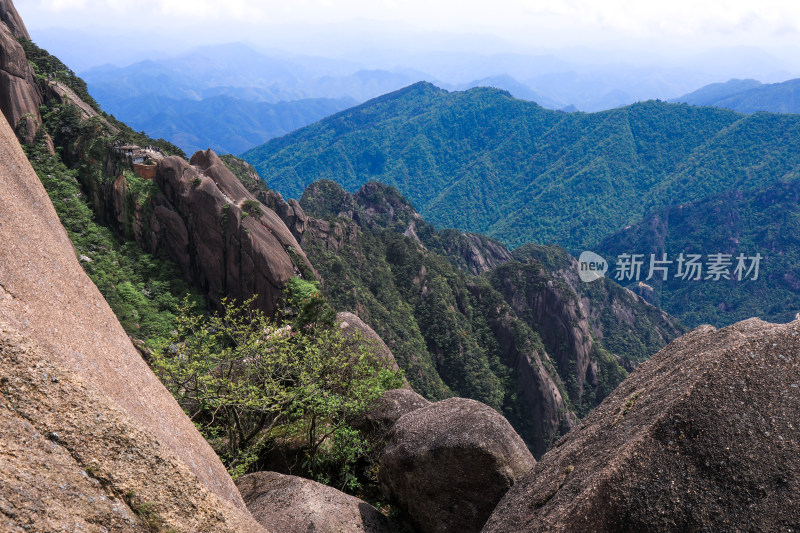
[(448, 464), (291, 504), (702, 437)]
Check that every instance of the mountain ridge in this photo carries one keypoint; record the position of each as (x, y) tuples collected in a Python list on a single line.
[(748, 96), (482, 161)]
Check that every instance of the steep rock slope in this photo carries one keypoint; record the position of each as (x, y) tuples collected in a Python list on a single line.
[(47, 297), (72, 460), (702, 437), (625, 323), (12, 20), (224, 241)]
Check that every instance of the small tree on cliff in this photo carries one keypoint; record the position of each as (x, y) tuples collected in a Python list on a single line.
[(245, 379)]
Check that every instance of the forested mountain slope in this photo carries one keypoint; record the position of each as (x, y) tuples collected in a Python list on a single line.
[(483, 161), (464, 316)]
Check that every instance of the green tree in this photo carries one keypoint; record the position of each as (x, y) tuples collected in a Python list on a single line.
[(306, 306), (246, 380)]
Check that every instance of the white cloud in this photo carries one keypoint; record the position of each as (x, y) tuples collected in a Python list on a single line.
[(731, 21)]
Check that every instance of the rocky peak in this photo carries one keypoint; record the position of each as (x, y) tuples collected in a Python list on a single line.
[(225, 241), (12, 20), (473, 253), (20, 96), (384, 206), (326, 199)]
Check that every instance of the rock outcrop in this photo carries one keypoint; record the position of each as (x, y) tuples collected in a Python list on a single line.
[(19, 94), (72, 460), (392, 405), (702, 437), (12, 20), (447, 465), (547, 411), (224, 240), (350, 324), (476, 254), (326, 199), (554, 311), (46, 296), (291, 504), (614, 312)]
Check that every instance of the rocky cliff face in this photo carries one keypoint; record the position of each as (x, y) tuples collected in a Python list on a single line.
[(224, 240), (553, 310), (12, 20), (47, 298), (701, 437), (19, 94), (547, 408)]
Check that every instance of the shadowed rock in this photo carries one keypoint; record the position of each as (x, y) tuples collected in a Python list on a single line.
[(10, 17), (291, 504), (702, 437), (448, 464), (19, 94), (223, 240)]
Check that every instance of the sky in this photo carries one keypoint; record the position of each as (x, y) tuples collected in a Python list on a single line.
[(538, 23)]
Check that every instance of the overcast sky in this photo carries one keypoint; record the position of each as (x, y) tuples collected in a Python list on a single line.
[(536, 22)]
